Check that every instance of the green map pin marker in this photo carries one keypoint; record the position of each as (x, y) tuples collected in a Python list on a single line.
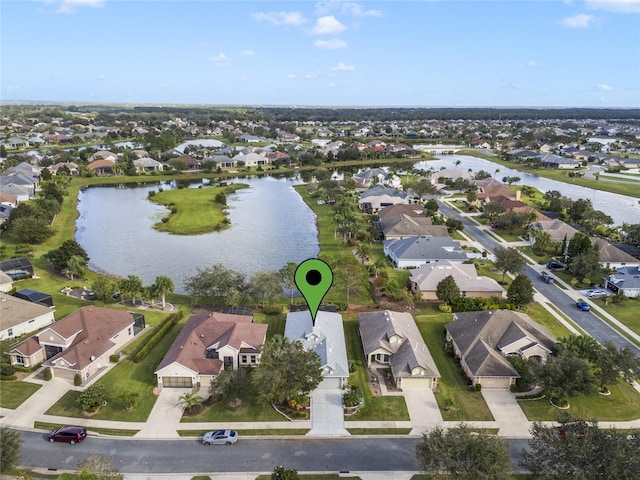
[(313, 278)]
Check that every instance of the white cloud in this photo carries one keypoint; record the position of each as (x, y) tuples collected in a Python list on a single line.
[(342, 67), (101, 76), (69, 6), (221, 57), (582, 20), (291, 75), (248, 53), (333, 44), (604, 87), (310, 76), (280, 18), (532, 63), (328, 25), (331, 84), (345, 8), (620, 6)]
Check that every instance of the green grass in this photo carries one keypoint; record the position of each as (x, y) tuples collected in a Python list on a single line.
[(626, 312), (115, 432), (542, 316), (512, 235), (250, 432), (196, 211), (622, 405), (126, 376), (13, 394), (379, 431), (467, 404), (375, 408)]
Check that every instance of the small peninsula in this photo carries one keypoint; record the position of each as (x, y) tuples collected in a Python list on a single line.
[(194, 211)]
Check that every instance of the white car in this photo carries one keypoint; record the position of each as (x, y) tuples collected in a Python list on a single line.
[(220, 437), (597, 293)]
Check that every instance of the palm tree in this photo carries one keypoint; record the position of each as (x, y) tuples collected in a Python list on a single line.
[(189, 400), (362, 251), (163, 285), (497, 172)]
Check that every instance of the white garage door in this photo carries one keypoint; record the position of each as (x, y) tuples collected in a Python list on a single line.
[(494, 383), (330, 383), (413, 383)]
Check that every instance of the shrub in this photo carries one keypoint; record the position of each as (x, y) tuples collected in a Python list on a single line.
[(273, 309), (152, 340), (6, 369), (48, 374), (478, 387), (128, 400), (444, 308), (114, 358), (93, 397), (8, 378), (77, 380)]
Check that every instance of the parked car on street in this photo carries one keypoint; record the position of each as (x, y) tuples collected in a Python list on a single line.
[(597, 293), (69, 434), (546, 277), (220, 437), (556, 265), (584, 306)]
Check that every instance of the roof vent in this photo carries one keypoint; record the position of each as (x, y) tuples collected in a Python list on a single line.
[(93, 357)]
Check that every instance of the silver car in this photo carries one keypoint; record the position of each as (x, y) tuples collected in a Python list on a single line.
[(220, 437), (597, 293)]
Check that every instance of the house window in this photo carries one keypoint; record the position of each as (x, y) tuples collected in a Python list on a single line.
[(228, 362), (254, 359), (244, 359), (10, 332), (19, 359), (129, 331), (212, 353)]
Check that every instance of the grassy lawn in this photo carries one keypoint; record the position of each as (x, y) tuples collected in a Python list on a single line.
[(379, 431), (623, 404), (485, 268), (194, 210), (375, 408), (13, 394), (510, 235), (626, 312), (467, 404), (116, 432), (126, 376), (539, 314)]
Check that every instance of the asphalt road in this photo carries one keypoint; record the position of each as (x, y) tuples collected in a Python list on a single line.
[(377, 454), (588, 321)]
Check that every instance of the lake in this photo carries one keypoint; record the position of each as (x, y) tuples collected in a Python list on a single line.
[(270, 226)]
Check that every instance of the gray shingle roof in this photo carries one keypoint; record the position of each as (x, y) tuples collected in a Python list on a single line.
[(426, 248)]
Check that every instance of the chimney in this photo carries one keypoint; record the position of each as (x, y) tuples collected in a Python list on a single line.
[(518, 194)]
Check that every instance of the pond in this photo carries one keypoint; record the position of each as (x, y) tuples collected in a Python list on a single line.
[(620, 208), (270, 226)]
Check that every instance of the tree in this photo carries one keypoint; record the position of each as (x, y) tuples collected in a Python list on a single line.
[(508, 260), (577, 449), (346, 270), (582, 346), (565, 376), (520, 292), (265, 286), (281, 473), (130, 287), (10, 444), (33, 230), (163, 285), (217, 282), (542, 241), (362, 251), (189, 401), (448, 291), (93, 397), (610, 362), (98, 467), (586, 264), (77, 266), (287, 278), (287, 371), (432, 205), (459, 453), (103, 289), (60, 257), (228, 384), (492, 210)]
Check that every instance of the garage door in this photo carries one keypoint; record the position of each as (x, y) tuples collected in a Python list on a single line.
[(494, 382), (330, 383), (177, 382), (412, 383)]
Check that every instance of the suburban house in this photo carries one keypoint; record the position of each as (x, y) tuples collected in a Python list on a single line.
[(517, 206), (251, 159), (557, 230), (220, 161), (556, 161), (483, 341), (613, 257), (625, 280), (208, 344), (102, 167), (326, 338), (79, 343), (147, 164), (415, 251), (72, 167), (376, 176), (392, 340), (489, 189), (378, 197), (403, 226), (18, 316), (412, 210), (424, 280)]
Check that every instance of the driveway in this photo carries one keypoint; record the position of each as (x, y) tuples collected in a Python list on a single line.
[(423, 409), (507, 413), (165, 416), (327, 412)]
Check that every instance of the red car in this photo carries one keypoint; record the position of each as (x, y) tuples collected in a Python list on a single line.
[(69, 434)]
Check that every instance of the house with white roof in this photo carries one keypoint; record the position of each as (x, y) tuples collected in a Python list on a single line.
[(415, 251), (424, 280)]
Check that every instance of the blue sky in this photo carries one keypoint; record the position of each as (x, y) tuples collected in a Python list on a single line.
[(333, 53)]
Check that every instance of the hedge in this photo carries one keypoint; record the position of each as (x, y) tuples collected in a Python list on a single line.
[(8, 377), (158, 334)]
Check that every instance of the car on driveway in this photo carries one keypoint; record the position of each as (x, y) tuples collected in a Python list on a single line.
[(597, 293), (69, 434), (556, 265), (220, 437), (584, 306)]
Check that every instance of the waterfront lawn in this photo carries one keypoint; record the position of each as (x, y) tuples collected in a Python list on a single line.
[(194, 210), (541, 315), (126, 376), (622, 405), (14, 393), (375, 408), (467, 404)]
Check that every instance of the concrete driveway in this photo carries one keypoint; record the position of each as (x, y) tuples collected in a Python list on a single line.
[(165, 416), (423, 409), (507, 413), (327, 412)]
